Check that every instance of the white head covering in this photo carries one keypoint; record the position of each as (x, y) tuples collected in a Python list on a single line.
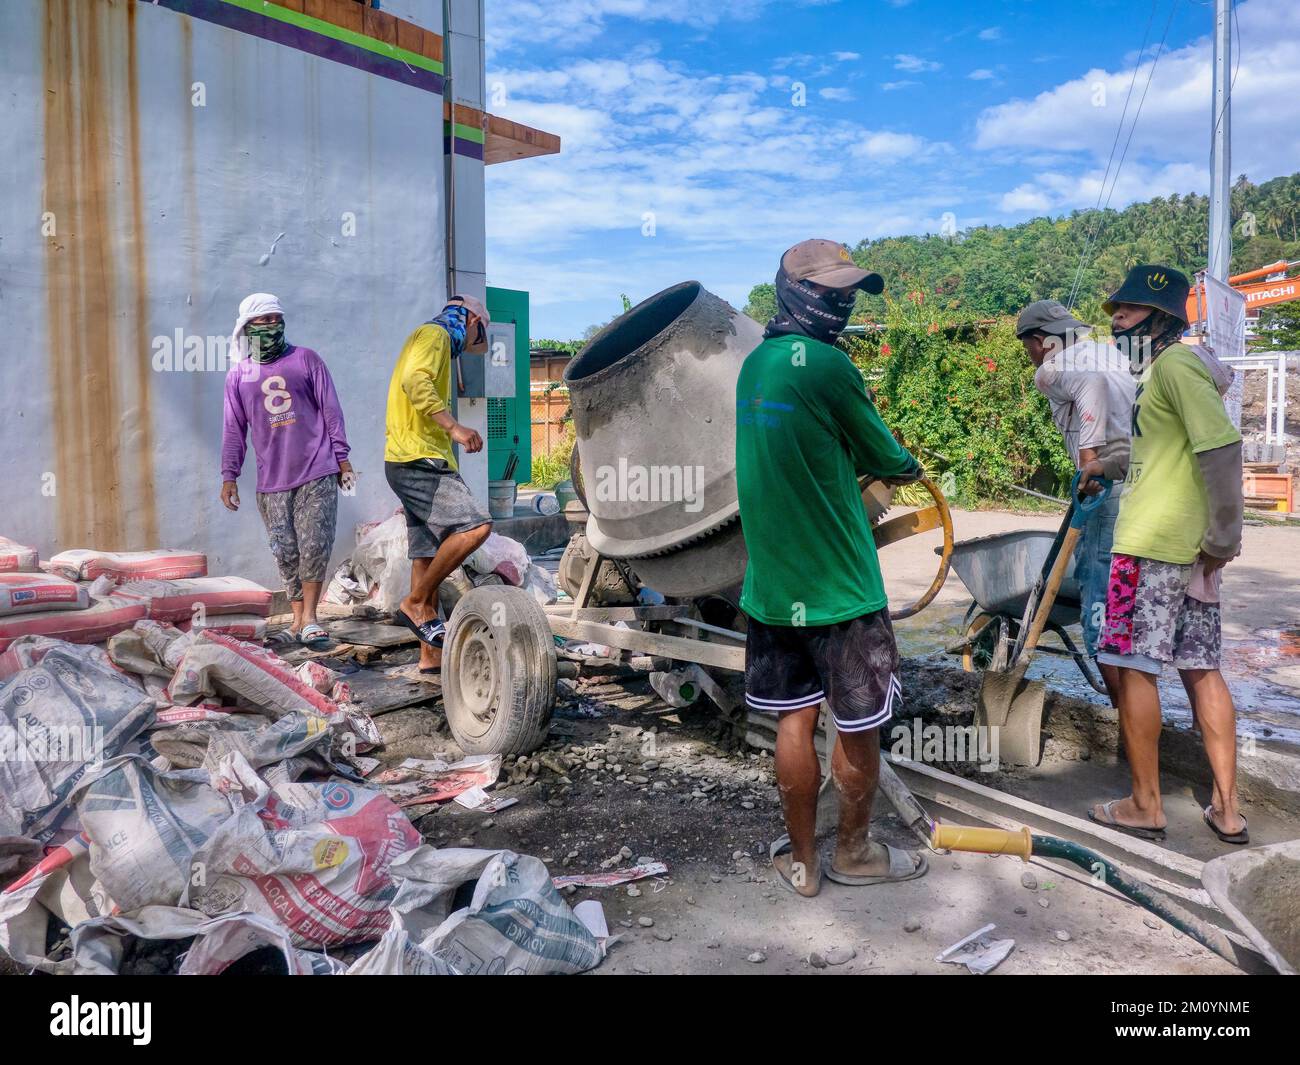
[(254, 306)]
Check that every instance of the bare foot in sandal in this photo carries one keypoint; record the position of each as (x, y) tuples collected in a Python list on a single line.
[(805, 880), (1125, 815), (873, 860)]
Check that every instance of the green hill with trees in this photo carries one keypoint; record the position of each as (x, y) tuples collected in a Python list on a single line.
[(989, 271)]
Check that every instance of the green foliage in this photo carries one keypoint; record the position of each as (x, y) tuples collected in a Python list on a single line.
[(572, 347), (988, 271), (762, 302), (956, 387), (550, 469), (1279, 328)]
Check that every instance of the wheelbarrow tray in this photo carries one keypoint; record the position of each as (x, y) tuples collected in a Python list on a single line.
[(1000, 572), (1259, 890)]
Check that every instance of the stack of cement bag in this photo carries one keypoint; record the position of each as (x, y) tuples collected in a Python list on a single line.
[(195, 791)]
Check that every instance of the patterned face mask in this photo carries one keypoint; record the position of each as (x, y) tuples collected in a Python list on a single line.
[(266, 341)]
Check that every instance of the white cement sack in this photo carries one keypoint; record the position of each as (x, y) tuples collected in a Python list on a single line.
[(94, 624), (144, 825), (378, 574), (58, 719), (248, 627), (198, 598), (165, 564), (98, 946), (17, 558), (27, 651), (25, 593), (503, 556), (539, 584), (516, 921)]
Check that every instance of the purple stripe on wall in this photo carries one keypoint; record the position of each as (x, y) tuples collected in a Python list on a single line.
[(303, 40), (471, 149)]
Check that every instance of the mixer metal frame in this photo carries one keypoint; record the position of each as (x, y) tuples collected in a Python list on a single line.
[(500, 663)]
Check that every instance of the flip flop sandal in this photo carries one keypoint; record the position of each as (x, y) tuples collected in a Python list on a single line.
[(430, 632), (1236, 838), (283, 638), (1140, 831), (901, 867), (314, 636), (782, 846)]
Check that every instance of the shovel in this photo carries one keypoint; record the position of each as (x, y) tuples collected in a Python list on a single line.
[(1008, 702)]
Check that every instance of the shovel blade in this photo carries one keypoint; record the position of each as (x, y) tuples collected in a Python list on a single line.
[(1014, 707)]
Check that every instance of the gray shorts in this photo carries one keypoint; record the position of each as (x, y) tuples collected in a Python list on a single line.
[(437, 503)]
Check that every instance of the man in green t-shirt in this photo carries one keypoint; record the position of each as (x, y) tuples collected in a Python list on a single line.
[(818, 626), (1179, 523)]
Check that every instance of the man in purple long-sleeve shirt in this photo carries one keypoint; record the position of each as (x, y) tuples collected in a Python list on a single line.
[(284, 393)]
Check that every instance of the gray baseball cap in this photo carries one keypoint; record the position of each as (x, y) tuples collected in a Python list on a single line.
[(828, 263), (1049, 316)]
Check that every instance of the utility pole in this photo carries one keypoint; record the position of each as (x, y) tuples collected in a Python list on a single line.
[(1221, 145)]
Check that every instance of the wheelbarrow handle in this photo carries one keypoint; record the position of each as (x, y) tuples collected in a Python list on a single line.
[(1086, 506)]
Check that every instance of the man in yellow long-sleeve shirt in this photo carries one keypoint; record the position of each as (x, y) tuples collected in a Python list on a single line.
[(445, 524)]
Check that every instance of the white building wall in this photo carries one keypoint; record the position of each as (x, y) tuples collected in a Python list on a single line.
[(177, 166)]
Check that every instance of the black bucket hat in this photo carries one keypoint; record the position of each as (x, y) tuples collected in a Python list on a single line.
[(1161, 287)]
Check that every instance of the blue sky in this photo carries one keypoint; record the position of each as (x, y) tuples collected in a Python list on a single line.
[(703, 137)]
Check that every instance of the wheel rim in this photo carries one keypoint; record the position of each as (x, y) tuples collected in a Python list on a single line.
[(477, 680)]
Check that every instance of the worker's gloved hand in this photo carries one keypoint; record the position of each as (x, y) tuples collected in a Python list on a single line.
[(907, 477)]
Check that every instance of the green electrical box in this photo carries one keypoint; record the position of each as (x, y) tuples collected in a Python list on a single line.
[(509, 406)]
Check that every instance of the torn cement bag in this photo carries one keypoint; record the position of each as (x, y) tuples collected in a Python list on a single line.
[(149, 649), (515, 922), (57, 720), (502, 555), (92, 625), (378, 574), (17, 558), (144, 824), (216, 663), (197, 598), (313, 856), (25, 593), (62, 887), (165, 564), (98, 946)]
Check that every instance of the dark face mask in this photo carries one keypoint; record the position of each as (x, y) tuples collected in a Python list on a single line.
[(1144, 341), (266, 341), (801, 310)]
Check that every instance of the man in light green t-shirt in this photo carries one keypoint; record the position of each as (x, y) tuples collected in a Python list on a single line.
[(1179, 523)]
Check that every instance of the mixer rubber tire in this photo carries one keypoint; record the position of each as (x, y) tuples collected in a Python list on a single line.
[(498, 671)]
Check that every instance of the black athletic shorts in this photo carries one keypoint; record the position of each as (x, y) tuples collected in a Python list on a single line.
[(852, 665)]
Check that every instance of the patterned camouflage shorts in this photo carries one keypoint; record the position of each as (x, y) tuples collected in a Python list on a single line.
[(301, 524), (1151, 620)]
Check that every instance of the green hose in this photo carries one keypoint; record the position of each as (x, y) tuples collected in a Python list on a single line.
[(1204, 933)]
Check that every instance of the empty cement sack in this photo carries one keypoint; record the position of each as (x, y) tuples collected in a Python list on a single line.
[(214, 663), (58, 719), (195, 598), (312, 856), (165, 564), (26, 593), (478, 912), (17, 558), (93, 624)]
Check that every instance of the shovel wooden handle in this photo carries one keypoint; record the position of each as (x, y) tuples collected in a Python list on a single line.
[(1054, 580)]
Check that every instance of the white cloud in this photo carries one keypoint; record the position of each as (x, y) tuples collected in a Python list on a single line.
[(982, 74), (845, 57), (914, 64), (835, 94), (993, 33), (1170, 147), (894, 86)]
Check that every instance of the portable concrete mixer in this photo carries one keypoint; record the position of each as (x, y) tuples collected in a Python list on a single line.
[(653, 397)]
